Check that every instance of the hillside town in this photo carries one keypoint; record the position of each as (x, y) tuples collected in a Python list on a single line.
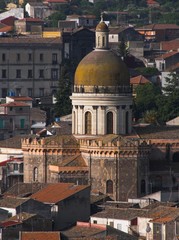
[(89, 120)]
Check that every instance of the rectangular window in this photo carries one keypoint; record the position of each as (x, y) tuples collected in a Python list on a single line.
[(177, 227), (1, 123), (4, 92), (41, 73), (29, 92), (30, 57), (54, 58), (18, 73), (3, 57), (30, 73), (119, 226), (4, 73), (54, 73), (15, 167), (111, 224), (18, 91), (41, 92), (22, 123), (18, 57), (41, 57)]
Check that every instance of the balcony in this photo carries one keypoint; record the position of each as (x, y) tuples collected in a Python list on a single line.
[(15, 169)]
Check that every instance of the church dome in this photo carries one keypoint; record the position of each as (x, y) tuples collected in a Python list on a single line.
[(102, 68), (102, 27)]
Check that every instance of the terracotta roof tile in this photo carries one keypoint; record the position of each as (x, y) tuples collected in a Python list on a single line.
[(9, 223), (162, 220), (170, 45), (11, 202), (9, 20), (30, 41), (6, 29), (157, 132), (40, 236), (57, 192), (21, 98), (173, 67), (14, 104), (158, 26), (139, 80), (167, 55)]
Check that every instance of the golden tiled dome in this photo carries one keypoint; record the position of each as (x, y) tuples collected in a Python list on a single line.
[(102, 27), (102, 68)]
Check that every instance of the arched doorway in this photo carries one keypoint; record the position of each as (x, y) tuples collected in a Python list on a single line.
[(109, 123), (88, 123)]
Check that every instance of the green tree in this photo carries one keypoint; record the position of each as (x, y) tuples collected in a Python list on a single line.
[(151, 116), (147, 71), (63, 104), (168, 104), (55, 17), (146, 98), (123, 49)]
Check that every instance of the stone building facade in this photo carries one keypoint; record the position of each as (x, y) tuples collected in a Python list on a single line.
[(101, 117), (29, 66)]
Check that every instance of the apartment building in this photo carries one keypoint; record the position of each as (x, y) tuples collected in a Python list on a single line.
[(29, 66)]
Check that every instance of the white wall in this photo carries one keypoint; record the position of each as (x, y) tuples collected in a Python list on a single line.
[(119, 224)]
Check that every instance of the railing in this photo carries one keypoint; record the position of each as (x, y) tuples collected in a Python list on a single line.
[(102, 89), (15, 172)]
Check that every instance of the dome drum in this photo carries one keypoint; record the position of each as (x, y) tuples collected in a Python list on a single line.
[(103, 89)]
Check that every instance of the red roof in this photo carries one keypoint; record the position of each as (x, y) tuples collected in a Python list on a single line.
[(57, 192), (6, 29), (167, 55), (21, 98), (9, 21), (170, 45), (152, 2), (139, 80), (3, 163), (158, 26), (14, 104), (9, 223), (40, 236)]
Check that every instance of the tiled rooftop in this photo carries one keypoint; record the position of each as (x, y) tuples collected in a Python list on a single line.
[(170, 45), (11, 202), (167, 55), (21, 98), (14, 104), (14, 142), (157, 132), (121, 213), (57, 192), (40, 236), (24, 189), (158, 26), (30, 41), (139, 80)]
